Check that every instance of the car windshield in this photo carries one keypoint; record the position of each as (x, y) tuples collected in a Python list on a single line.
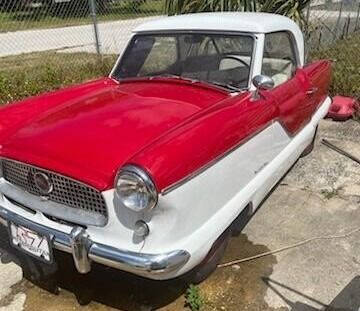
[(219, 59)]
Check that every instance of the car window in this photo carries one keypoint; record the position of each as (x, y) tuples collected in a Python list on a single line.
[(219, 59), (279, 61), (164, 46)]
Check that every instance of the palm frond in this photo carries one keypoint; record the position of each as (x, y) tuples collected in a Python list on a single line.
[(293, 9)]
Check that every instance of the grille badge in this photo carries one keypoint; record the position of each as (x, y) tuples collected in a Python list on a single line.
[(43, 183)]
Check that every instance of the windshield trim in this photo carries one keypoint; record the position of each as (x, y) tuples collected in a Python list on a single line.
[(184, 31)]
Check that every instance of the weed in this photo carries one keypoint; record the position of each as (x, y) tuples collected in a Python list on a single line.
[(346, 64), (193, 297), (329, 194), (28, 75)]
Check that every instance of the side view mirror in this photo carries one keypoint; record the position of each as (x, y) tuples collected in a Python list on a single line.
[(262, 82)]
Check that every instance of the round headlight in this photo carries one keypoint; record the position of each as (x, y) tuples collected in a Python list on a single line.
[(135, 189)]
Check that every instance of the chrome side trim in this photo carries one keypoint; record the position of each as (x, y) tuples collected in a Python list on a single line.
[(84, 250), (51, 208)]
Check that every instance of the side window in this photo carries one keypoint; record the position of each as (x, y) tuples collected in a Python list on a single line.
[(279, 61)]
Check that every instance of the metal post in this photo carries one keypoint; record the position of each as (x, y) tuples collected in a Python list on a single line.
[(338, 20), (307, 21), (96, 30), (357, 18)]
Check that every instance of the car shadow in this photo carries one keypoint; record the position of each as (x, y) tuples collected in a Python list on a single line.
[(111, 287), (116, 288), (347, 300)]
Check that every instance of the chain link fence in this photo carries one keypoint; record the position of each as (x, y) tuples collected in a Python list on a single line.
[(71, 32), (101, 26), (332, 32), (329, 21), (104, 26)]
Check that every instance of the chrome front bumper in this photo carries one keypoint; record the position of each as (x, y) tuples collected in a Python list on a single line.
[(85, 251)]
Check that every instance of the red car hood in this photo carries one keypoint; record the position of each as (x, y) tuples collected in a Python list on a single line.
[(89, 137)]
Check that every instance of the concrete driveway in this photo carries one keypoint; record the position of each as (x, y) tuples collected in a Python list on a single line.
[(113, 36), (319, 197)]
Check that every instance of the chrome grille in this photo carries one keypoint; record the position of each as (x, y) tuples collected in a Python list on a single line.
[(65, 190)]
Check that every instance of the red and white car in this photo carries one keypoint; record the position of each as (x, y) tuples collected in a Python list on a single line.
[(150, 169)]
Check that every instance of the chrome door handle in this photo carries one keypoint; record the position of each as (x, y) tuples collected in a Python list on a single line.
[(312, 91)]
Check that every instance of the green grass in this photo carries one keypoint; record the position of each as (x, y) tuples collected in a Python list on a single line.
[(329, 194), (39, 18), (194, 300), (346, 65), (31, 74)]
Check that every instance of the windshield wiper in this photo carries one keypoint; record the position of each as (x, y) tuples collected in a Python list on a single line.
[(179, 77), (226, 86), (174, 76)]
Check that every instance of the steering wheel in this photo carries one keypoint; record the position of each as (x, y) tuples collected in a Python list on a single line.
[(236, 59)]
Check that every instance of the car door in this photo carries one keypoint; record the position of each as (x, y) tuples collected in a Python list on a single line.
[(280, 62)]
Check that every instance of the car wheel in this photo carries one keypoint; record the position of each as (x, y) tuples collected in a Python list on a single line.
[(211, 261), (310, 148)]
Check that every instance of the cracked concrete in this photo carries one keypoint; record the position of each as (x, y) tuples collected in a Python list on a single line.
[(317, 276)]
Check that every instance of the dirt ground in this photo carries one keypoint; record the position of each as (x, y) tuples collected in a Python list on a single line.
[(320, 196)]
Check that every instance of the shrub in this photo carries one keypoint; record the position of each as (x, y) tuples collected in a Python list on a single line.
[(291, 8), (346, 65)]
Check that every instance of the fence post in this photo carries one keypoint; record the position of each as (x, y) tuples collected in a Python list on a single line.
[(338, 20), (96, 30), (307, 20), (357, 18)]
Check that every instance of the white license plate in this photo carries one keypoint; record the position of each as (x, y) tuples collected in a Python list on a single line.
[(30, 242)]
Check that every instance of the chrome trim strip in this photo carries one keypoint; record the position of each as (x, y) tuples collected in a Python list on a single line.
[(51, 208), (85, 251), (143, 264), (150, 185)]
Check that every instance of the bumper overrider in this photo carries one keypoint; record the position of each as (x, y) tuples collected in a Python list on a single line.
[(85, 251)]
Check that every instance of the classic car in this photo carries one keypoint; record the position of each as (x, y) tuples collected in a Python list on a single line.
[(151, 169)]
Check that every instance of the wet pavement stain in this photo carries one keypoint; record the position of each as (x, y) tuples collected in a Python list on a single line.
[(240, 287)]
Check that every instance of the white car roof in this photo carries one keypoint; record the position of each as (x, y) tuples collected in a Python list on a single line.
[(227, 21), (224, 21)]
